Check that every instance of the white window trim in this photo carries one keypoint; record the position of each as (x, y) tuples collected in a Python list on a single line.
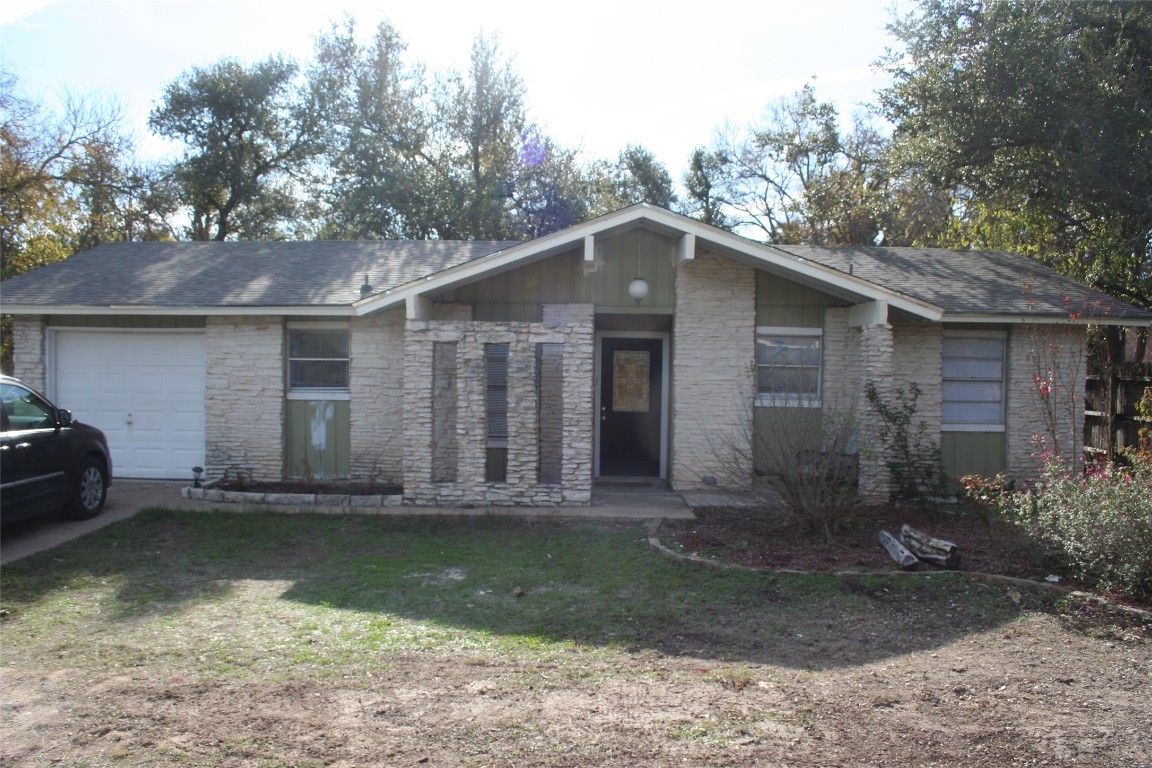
[(964, 427), (792, 400), (318, 393)]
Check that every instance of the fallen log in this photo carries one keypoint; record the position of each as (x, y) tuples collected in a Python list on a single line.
[(943, 554), (898, 552)]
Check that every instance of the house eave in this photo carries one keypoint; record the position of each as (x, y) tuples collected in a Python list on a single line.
[(154, 311), (706, 239), (975, 318)]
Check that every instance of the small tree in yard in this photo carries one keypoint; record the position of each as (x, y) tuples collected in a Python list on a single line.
[(803, 462)]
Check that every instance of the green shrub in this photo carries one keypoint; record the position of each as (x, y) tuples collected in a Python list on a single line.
[(1098, 522)]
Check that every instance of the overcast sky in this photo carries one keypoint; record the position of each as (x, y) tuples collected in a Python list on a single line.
[(662, 74)]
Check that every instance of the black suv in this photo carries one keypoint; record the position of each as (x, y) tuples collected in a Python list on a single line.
[(47, 460)]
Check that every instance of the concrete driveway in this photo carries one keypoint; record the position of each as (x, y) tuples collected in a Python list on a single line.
[(125, 498)]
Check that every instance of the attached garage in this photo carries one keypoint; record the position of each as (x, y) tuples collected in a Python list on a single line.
[(144, 388)]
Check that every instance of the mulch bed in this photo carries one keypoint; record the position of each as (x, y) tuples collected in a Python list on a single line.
[(743, 537)]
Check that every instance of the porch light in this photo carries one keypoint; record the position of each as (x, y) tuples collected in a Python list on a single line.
[(638, 289)]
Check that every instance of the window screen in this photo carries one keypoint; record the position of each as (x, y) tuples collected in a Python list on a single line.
[(788, 367), (974, 380), (317, 358)]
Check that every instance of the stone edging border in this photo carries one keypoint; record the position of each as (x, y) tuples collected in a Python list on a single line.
[(989, 578), (351, 501)]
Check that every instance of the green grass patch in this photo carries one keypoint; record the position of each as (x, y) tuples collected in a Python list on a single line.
[(234, 593)]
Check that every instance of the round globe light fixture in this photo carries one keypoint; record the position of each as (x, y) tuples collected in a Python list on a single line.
[(638, 289)]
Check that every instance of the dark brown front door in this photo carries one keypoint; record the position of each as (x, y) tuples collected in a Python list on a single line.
[(631, 406)]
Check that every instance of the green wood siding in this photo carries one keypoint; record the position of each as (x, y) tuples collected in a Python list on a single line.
[(318, 438), (636, 253), (973, 453), (786, 304), (767, 418), (518, 295)]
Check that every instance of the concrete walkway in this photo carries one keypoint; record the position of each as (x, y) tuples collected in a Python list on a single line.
[(127, 497)]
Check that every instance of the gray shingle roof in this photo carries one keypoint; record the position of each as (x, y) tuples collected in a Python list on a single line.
[(318, 274), (236, 274), (970, 282)]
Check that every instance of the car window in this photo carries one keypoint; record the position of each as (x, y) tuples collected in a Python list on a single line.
[(24, 409)]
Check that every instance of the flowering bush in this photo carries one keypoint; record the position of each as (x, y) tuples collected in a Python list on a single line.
[(1099, 522)]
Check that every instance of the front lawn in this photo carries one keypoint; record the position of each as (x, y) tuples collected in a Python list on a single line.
[(262, 639)]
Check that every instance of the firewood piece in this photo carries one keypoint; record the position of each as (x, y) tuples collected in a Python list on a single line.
[(938, 552), (898, 552), (926, 541)]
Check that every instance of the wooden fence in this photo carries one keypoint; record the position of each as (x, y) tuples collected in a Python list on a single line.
[(1119, 371)]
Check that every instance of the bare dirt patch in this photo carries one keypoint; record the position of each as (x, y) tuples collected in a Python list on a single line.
[(251, 668)]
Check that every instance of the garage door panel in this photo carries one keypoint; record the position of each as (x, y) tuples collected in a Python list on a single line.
[(144, 389)]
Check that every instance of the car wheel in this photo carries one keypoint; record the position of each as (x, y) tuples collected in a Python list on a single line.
[(91, 490)]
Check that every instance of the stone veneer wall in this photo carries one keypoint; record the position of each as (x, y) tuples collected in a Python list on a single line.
[(445, 401), (1036, 349), (714, 351), (919, 359), (28, 350), (244, 397), (376, 388), (841, 388), (570, 325)]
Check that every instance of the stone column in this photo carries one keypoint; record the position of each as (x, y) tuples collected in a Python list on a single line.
[(418, 454), (579, 408), (876, 355)]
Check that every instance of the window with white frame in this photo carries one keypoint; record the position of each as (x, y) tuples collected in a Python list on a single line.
[(974, 365), (318, 359), (788, 366)]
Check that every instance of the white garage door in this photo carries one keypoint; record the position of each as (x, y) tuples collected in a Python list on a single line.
[(144, 389)]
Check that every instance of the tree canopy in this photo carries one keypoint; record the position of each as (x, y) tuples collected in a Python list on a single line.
[(69, 181), (1036, 119), (249, 135), (1012, 125)]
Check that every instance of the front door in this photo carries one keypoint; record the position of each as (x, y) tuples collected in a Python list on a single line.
[(631, 406)]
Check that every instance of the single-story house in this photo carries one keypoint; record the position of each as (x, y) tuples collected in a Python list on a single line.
[(634, 345)]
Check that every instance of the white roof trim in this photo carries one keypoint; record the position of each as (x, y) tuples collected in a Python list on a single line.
[(120, 311), (1037, 319), (671, 223)]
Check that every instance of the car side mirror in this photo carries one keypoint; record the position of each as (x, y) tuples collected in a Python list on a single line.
[(64, 418)]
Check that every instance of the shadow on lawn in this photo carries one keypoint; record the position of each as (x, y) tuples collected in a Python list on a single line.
[(595, 584)]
